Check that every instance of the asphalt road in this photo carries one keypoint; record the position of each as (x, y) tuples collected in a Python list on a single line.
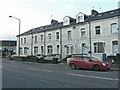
[(17, 74)]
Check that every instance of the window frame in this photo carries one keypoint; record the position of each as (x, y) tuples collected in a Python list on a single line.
[(49, 49), (57, 36), (83, 30), (97, 28), (69, 34), (111, 25), (36, 40), (98, 48)]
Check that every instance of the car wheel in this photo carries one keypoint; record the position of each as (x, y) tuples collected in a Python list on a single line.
[(96, 68), (73, 66)]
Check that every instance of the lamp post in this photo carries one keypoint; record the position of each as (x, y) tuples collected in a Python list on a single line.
[(18, 35)]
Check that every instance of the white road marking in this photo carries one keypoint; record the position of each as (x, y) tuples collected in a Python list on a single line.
[(92, 77), (39, 70), (46, 70)]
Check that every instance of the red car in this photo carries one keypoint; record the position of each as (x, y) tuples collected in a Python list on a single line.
[(86, 62)]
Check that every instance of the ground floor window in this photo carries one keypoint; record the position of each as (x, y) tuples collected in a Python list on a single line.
[(35, 50), (84, 48), (20, 51), (58, 48), (69, 49), (49, 49), (42, 50), (99, 47), (25, 50), (114, 47)]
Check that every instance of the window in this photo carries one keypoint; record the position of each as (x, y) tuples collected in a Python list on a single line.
[(42, 50), (57, 35), (20, 51), (71, 49), (69, 34), (97, 30), (99, 47), (35, 39), (114, 28), (67, 50), (49, 49), (58, 47), (78, 18), (21, 40), (25, 50), (24, 40), (82, 32), (35, 50), (49, 36), (84, 48), (114, 47), (41, 37)]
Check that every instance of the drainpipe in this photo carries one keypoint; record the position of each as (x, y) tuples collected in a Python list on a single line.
[(60, 43), (44, 43), (90, 52), (32, 45)]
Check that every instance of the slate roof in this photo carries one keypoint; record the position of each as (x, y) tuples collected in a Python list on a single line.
[(103, 15)]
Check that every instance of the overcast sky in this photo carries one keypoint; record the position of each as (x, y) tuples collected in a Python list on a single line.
[(36, 13)]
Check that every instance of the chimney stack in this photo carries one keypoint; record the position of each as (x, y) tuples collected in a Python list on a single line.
[(94, 12), (53, 22)]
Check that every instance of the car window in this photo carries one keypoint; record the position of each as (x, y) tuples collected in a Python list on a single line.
[(79, 58), (86, 58)]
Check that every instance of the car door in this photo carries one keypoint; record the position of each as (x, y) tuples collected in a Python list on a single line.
[(87, 63), (80, 62)]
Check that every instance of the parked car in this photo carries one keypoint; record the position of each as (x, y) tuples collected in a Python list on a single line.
[(87, 62)]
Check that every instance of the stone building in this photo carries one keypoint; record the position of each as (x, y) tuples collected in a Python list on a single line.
[(95, 35)]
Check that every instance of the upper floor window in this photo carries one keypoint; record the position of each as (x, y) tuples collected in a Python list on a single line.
[(41, 37), (99, 47), (21, 40), (114, 28), (97, 30), (57, 35), (35, 39), (49, 36), (69, 34), (82, 32), (49, 49), (24, 40)]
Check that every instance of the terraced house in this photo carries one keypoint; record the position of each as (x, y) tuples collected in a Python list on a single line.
[(95, 35)]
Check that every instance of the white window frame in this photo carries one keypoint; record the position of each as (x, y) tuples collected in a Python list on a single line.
[(57, 36), (35, 50), (49, 36), (36, 39), (98, 48), (25, 50), (58, 49), (114, 28), (42, 49), (83, 33), (25, 40), (41, 38), (49, 49), (97, 28), (69, 34)]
